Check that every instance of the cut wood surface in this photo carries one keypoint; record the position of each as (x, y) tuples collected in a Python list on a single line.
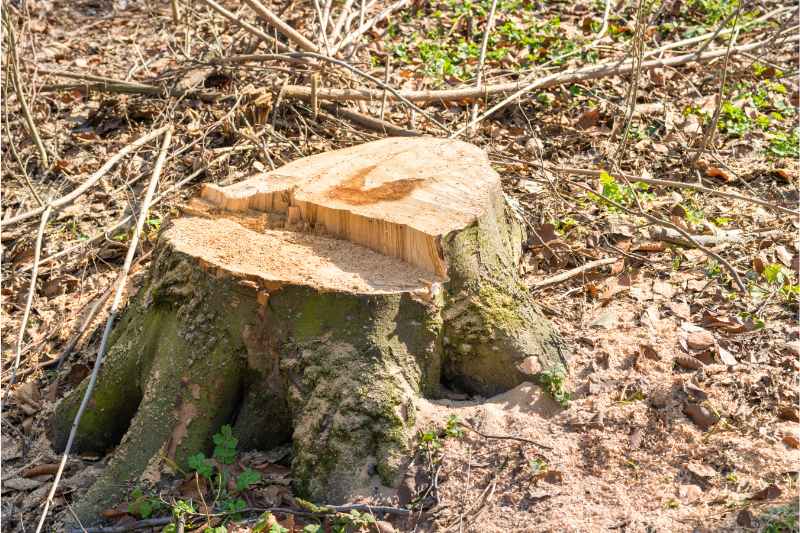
[(394, 196)]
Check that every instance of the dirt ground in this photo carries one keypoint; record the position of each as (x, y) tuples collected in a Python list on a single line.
[(680, 409)]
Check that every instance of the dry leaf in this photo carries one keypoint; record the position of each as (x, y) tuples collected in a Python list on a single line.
[(690, 493), (680, 309), (789, 412), (648, 351), (664, 288), (726, 357), (702, 417), (791, 440), (588, 119), (699, 339), (770, 492), (688, 362), (715, 172)]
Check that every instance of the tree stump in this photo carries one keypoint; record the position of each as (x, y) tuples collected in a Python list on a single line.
[(313, 305)]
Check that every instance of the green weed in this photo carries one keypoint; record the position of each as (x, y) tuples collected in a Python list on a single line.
[(783, 519), (554, 383), (143, 505), (619, 193)]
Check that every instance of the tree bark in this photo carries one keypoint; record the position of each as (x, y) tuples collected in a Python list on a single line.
[(328, 349)]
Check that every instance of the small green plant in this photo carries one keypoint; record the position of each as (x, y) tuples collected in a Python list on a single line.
[(554, 383), (780, 277), (672, 503), (353, 521), (784, 144), (783, 519), (619, 193), (143, 505), (204, 467), (225, 445), (453, 428), (538, 466), (430, 440), (246, 479), (733, 120), (234, 506)]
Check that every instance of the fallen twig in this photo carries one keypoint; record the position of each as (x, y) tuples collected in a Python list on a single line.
[(608, 69), (677, 185), (602, 70), (86, 185), (504, 437), (268, 39), (667, 235), (275, 21), (711, 128), (15, 153), (482, 56), (151, 189), (665, 223), (564, 276), (370, 123), (133, 526), (29, 302), (16, 81), (366, 26)]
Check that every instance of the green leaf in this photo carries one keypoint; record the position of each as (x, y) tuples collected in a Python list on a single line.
[(144, 506), (312, 528), (246, 479), (201, 465), (454, 427), (182, 507), (225, 445)]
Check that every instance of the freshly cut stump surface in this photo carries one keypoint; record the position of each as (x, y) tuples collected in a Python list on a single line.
[(314, 305)]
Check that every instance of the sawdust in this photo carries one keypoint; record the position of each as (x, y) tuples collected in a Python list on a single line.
[(293, 258)]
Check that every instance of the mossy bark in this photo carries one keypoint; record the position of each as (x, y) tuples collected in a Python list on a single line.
[(335, 373)]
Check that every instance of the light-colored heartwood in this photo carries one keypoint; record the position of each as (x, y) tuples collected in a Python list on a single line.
[(396, 196)]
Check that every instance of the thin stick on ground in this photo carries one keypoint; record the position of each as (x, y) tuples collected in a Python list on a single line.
[(561, 78), (677, 185), (176, 14), (344, 16), (564, 276), (275, 21), (482, 58), (16, 81), (268, 39), (636, 54), (504, 437), (366, 26), (29, 302), (323, 33), (86, 185), (23, 170), (708, 135), (115, 304), (686, 235), (517, 89)]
